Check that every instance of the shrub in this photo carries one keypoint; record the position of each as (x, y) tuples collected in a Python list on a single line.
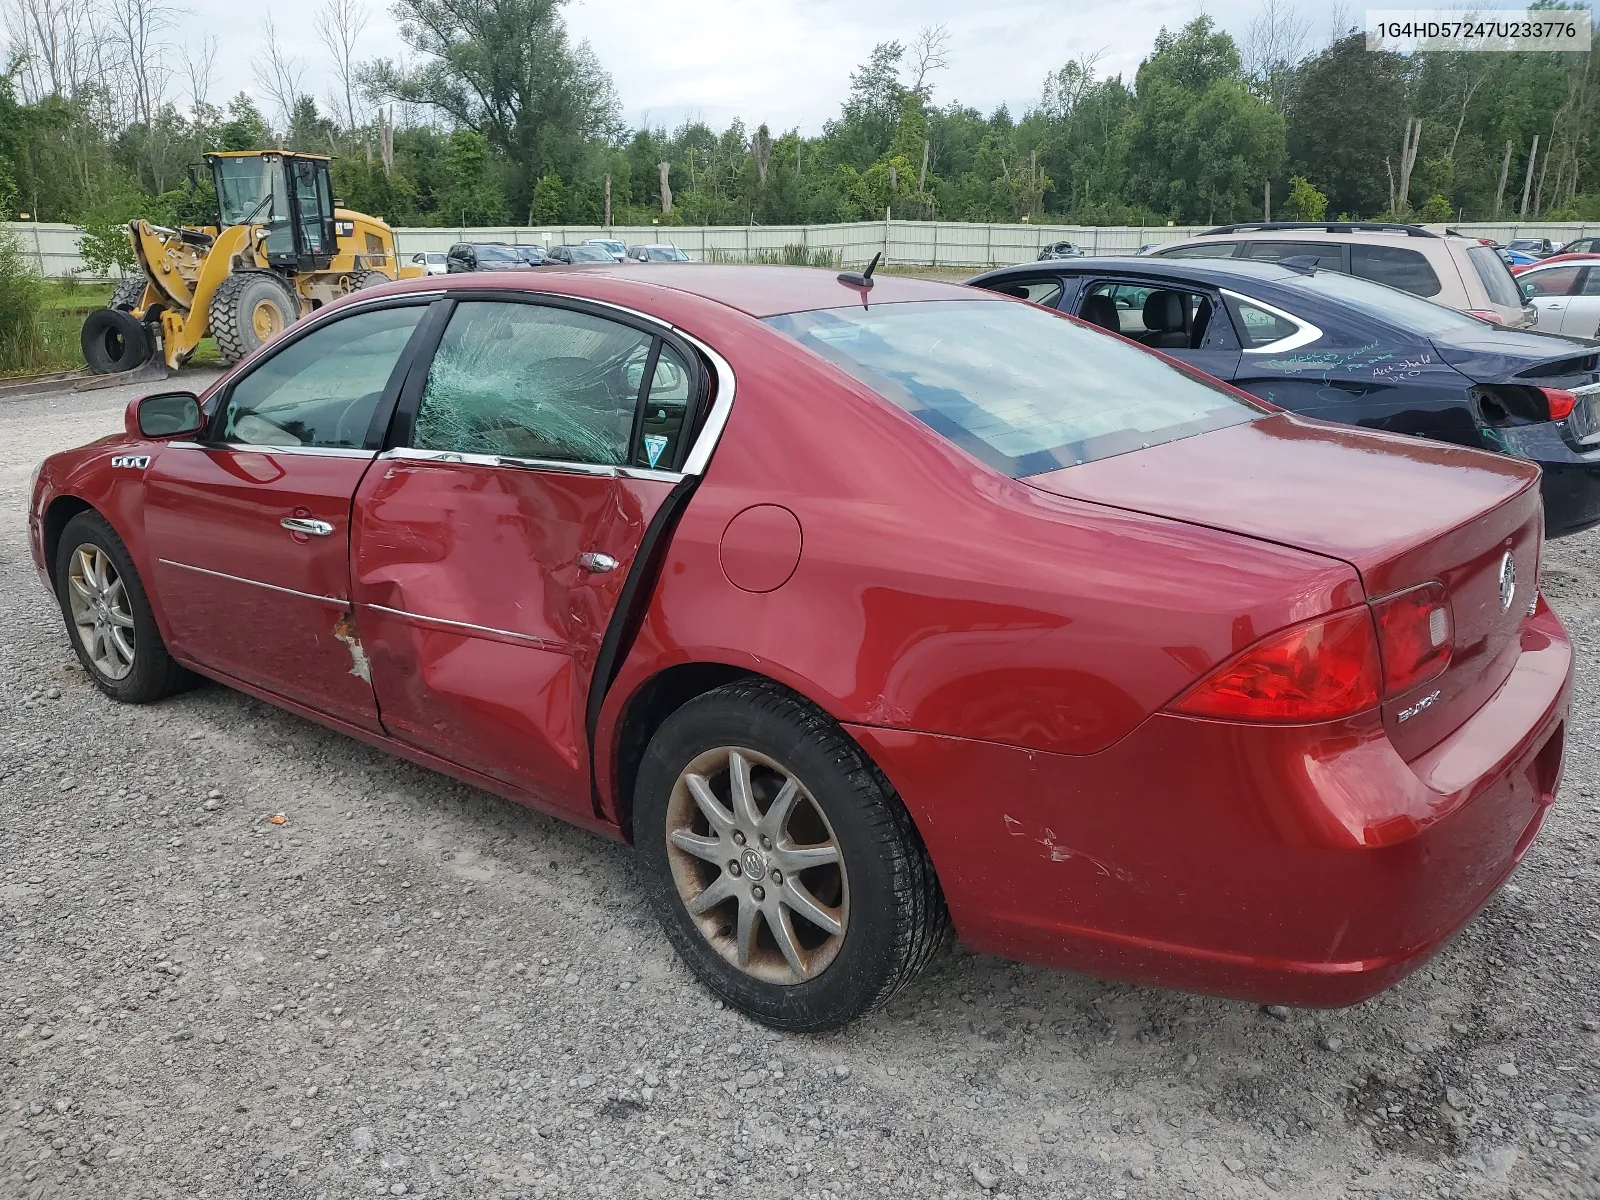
[(1436, 209), (21, 326), (1305, 202)]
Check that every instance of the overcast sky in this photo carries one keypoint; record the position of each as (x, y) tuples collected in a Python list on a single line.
[(787, 62)]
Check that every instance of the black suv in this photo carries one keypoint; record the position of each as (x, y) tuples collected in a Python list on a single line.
[(482, 256)]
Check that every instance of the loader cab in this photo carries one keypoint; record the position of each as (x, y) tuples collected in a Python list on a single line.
[(288, 194)]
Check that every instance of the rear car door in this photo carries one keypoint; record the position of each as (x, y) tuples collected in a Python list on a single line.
[(249, 527), (1583, 306), (1549, 289), (1184, 321), (493, 541)]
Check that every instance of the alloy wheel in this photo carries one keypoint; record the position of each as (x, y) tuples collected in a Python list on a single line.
[(100, 611), (757, 865)]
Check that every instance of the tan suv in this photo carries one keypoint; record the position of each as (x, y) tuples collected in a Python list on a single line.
[(1437, 264)]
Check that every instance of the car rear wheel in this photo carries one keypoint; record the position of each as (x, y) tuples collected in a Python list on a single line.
[(108, 615), (786, 871)]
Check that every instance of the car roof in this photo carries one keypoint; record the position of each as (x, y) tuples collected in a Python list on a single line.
[(1212, 270), (757, 291)]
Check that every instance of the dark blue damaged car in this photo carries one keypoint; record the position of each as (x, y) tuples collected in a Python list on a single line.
[(1343, 349)]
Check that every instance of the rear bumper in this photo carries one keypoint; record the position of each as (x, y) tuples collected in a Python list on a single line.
[(1571, 482), (1302, 865)]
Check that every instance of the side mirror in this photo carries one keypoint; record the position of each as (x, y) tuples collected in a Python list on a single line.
[(1528, 288), (165, 415)]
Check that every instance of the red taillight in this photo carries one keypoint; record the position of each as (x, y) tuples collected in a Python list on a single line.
[(1561, 402), (1320, 670), (1485, 314), (1415, 636)]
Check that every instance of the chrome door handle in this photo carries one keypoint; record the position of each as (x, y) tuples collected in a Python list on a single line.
[(307, 525), (596, 563)]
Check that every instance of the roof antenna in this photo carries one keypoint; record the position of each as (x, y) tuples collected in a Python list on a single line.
[(864, 279)]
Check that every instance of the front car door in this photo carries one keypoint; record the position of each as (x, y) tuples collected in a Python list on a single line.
[(493, 539), (249, 527)]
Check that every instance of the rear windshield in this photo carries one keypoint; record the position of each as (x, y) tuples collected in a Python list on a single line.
[(1410, 312), (1496, 276), (497, 254), (1021, 389)]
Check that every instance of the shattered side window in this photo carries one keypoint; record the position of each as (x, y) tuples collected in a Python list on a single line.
[(526, 381)]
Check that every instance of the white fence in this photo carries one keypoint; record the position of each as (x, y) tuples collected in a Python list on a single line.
[(54, 251)]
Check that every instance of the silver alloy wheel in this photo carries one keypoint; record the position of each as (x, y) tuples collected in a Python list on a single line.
[(99, 603), (757, 865)]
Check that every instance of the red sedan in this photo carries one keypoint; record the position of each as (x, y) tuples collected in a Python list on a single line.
[(859, 612)]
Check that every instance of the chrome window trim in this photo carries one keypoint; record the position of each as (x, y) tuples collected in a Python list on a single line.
[(528, 638), (332, 601), (699, 457), (248, 448), (407, 453), (1304, 336)]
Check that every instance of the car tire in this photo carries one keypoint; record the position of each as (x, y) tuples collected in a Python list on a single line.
[(880, 889), (113, 340), (92, 563)]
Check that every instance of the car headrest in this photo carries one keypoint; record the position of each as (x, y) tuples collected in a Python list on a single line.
[(1164, 311), (1102, 311)]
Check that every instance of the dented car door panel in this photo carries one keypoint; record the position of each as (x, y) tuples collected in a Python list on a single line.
[(479, 614)]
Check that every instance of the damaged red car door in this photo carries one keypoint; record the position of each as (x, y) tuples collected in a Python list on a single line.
[(248, 529), (492, 543)]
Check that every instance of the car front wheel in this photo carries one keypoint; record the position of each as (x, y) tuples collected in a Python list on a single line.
[(108, 615), (787, 872)]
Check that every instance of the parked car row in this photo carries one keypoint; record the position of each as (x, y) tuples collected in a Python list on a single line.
[(502, 256), (1171, 618)]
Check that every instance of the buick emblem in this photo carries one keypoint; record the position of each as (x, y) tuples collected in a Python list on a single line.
[(1508, 582), (754, 865)]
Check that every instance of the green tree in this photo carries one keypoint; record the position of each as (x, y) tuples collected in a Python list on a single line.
[(547, 199), (1203, 145), (505, 69), (1345, 123), (471, 194)]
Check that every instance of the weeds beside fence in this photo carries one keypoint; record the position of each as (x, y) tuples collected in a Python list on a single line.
[(790, 256)]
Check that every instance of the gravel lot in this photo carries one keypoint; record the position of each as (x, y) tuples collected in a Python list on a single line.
[(413, 988)]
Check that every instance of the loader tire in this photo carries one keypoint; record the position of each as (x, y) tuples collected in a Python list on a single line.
[(126, 295), (113, 341), (362, 280), (248, 310)]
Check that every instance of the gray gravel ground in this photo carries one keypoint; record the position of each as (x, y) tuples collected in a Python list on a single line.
[(413, 988)]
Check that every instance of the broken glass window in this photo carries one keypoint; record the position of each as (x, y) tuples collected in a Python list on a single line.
[(529, 381)]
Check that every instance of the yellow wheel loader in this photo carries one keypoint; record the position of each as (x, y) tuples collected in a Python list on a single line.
[(281, 248)]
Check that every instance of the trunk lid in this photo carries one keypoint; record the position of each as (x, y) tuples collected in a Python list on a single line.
[(1490, 355), (1400, 510)]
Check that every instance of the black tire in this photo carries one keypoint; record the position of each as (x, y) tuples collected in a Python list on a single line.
[(234, 307), (362, 280), (895, 913), (126, 295), (113, 341), (153, 675)]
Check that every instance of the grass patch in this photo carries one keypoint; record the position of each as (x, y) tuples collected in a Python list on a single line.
[(50, 341)]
